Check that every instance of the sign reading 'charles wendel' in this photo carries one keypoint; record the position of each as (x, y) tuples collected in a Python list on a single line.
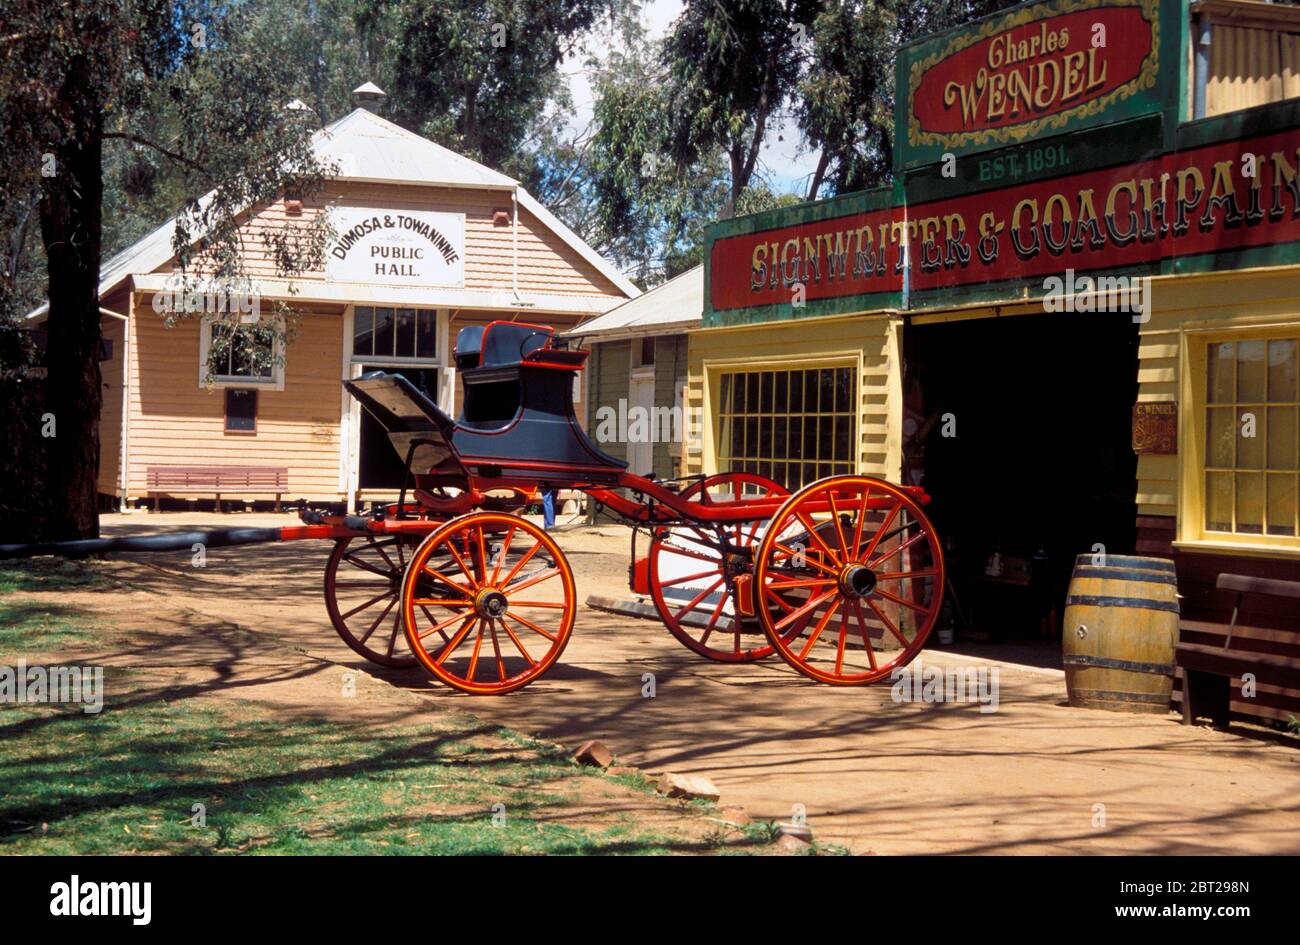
[(1039, 70)]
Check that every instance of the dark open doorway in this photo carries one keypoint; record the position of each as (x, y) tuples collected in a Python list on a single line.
[(381, 467), (1037, 464)]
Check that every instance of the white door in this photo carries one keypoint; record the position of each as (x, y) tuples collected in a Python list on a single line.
[(640, 447)]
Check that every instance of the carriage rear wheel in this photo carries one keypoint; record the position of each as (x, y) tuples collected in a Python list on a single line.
[(849, 580), (363, 581), (693, 577), (488, 603)]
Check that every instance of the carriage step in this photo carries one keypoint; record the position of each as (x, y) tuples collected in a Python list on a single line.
[(637, 608)]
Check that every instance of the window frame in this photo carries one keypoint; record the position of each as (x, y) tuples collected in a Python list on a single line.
[(225, 410), (1192, 535), (718, 453), (440, 339), (222, 381)]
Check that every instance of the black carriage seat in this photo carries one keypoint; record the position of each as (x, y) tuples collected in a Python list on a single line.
[(517, 420), (409, 417)]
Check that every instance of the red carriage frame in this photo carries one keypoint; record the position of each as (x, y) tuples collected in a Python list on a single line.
[(812, 576)]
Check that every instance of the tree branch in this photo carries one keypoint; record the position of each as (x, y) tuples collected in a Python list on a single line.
[(819, 175), (166, 152)]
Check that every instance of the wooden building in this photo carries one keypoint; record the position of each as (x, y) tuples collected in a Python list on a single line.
[(489, 251), (1074, 316)]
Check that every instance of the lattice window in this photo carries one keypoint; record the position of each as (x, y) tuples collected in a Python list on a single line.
[(1252, 437), (791, 426)]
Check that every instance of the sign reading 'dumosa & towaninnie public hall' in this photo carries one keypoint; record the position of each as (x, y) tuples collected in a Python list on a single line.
[(396, 247), (1034, 71)]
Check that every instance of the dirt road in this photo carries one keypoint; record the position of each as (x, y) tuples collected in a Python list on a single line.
[(1034, 776)]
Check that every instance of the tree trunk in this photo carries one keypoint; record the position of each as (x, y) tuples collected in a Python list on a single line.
[(819, 175), (71, 228)]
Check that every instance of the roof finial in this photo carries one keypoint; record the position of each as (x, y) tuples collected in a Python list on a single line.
[(368, 96)]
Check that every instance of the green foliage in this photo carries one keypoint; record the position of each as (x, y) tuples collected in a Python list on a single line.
[(475, 77), (651, 209), (844, 102), (730, 68), (190, 84), (695, 110)]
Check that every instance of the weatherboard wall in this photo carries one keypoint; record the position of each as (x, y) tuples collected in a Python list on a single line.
[(868, 343), (176, 420)]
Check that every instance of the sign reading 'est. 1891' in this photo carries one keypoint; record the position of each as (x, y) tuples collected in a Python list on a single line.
[(396, 247)]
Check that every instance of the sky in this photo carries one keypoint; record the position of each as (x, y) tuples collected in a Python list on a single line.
[(780, 163)]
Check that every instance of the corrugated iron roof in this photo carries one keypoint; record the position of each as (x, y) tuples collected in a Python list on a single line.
[(369, 148), (675, 306)]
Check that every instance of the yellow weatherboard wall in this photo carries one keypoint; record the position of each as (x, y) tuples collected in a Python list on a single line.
[(869, 342), (1186, 313)]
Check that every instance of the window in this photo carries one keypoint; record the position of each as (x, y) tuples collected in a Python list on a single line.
[(645, 353), (241, 410), (253, 355), (1251, 391), (384, 332), (790, 426)]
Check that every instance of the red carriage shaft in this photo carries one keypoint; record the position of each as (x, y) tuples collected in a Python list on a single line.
[(736, 510)]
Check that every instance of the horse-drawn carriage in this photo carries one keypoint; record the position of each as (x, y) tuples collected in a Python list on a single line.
[(843, 579)]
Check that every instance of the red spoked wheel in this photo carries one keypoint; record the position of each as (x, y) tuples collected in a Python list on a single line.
[(363, 582), (849, 580), (693, 575), (488, 603)]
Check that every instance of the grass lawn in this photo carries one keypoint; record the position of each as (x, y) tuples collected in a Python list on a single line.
[(168, 769), (30, 625)]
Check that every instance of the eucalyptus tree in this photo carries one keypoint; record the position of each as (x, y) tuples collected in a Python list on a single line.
[(477, 76), (86, 84)]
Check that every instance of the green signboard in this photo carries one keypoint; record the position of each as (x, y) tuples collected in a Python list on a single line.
[(1227, 196), (1036, 71), (1116, 184)]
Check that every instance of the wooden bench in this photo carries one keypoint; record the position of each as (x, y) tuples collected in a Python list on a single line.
[(1270, 654), (242, 480)]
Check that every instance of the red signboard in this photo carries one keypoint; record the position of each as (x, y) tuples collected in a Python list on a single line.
[(1227, 196), (1047, 68), (855, 255), (1033, 70)]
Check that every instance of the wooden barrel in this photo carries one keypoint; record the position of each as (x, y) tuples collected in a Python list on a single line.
[(1121, 625)]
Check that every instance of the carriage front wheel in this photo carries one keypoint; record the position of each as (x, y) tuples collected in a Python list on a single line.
[(488, 603), (849, 580)]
